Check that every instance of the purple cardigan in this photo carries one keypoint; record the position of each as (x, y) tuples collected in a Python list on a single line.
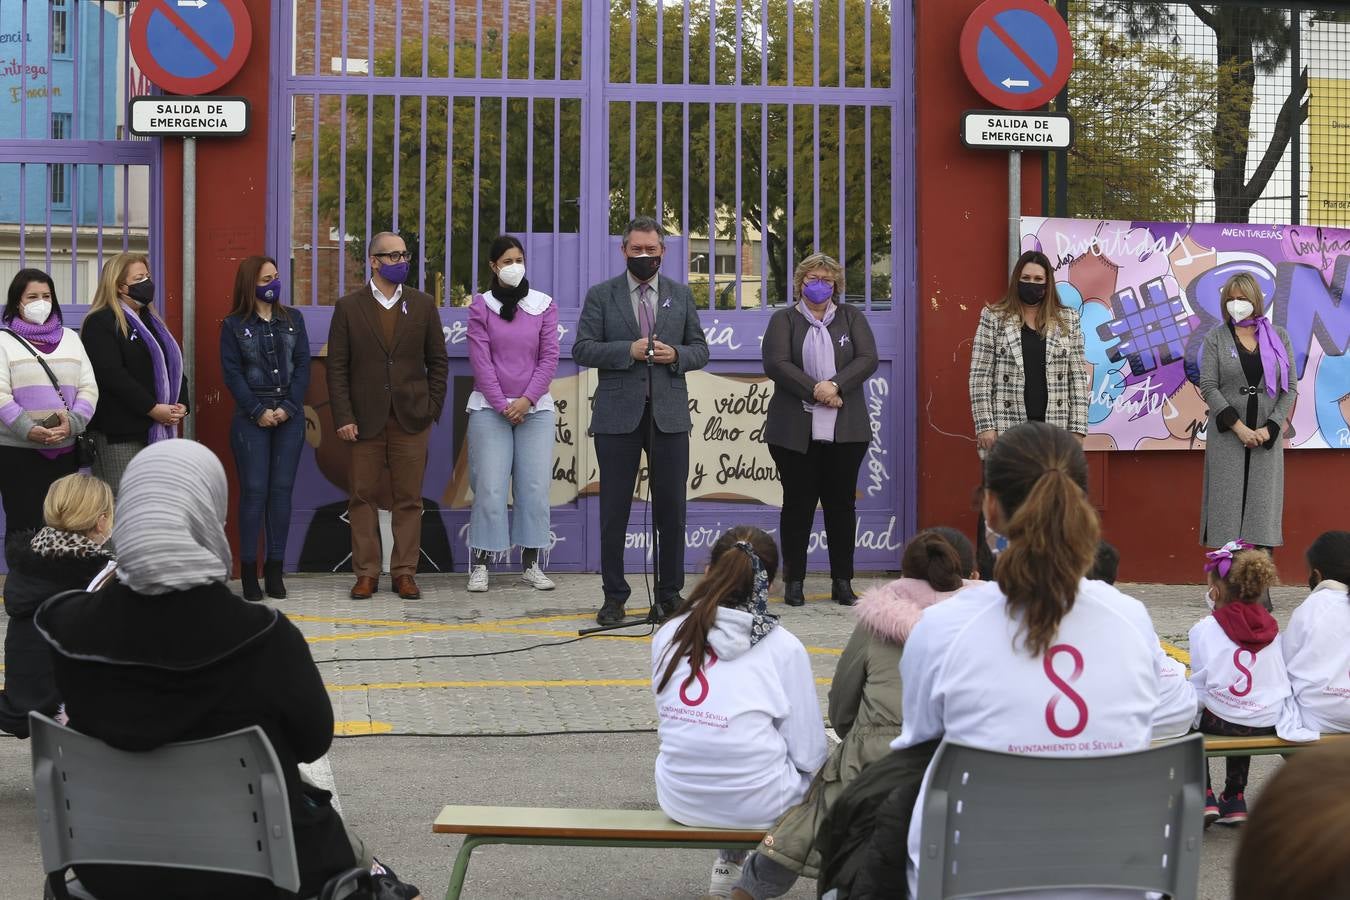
[(512, 359)]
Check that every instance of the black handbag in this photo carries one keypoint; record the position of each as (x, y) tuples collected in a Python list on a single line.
[(86, 451)]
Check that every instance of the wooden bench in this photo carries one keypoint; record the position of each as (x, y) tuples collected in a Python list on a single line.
[(1265, 746), (576, 828)]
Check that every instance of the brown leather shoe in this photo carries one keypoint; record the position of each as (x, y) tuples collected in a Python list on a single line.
[(364, 587), (406, 587)]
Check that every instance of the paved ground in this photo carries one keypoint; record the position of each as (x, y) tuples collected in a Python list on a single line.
[(423, 724)]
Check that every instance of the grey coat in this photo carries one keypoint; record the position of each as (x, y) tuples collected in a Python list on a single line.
[(605, 335), (1223, 515), (787, 423)]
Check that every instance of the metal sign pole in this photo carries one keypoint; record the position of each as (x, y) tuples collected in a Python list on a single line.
[(1014, 207), (190, 282)]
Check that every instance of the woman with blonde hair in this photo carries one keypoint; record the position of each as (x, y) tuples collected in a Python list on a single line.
[(818, 353), (1248, 381), (138, 365), (63, 556)]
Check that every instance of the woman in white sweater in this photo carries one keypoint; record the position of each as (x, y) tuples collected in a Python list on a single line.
[(738, 716), (47, 397)]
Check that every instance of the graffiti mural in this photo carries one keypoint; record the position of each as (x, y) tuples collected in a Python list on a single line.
[(1148, 293)]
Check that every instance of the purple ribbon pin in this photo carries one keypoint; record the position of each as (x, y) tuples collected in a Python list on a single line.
[(843, 339), (405, 307), (666, 305), (247, 333)]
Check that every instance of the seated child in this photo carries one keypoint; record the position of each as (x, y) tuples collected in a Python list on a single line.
[(739, 721), (1317, 641), (1237, 667)]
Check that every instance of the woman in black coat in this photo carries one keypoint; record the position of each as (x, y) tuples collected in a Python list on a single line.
[(167, 653), (65, 555)]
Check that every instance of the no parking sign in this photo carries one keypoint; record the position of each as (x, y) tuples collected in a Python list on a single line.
[(191, 46), (1017, 53)]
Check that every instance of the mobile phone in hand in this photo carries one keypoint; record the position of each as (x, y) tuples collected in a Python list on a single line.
[(51, 421)]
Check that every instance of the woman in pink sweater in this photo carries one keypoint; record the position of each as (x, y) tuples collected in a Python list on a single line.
[(513, 348)]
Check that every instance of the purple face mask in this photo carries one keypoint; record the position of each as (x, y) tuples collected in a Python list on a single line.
[(818, 292), (394, 273)]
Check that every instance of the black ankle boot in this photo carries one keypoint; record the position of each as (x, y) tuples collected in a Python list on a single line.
[(841, 591), (793, 595), (276, 588), (248, 576)]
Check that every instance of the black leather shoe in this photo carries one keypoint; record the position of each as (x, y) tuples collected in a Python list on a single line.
[(794, 593), (611, 613), (248, 580), (667, 608), (276, 588), (841, 592)]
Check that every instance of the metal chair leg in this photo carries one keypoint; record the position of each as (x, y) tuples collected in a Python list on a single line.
[(461, 868)]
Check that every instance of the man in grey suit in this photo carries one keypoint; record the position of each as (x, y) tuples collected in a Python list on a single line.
[(640, 331)]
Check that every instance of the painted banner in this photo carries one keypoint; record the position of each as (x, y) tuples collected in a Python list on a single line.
[(1148, 293)]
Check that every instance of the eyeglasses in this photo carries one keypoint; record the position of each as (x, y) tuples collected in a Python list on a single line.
[(396, 256), (815, 280)]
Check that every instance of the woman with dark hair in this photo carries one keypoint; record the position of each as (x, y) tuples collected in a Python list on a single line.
[(1317, 639), (47, 397), (1027, 363), (1041, 660), (865, 692), (264, 353), (513, 348), (739, 722)]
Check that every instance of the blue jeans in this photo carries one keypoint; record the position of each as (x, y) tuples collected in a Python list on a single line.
[(519, 457), (266, 459)]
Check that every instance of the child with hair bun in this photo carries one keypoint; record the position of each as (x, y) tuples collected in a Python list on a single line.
[(1317, 641), (1237, 667)]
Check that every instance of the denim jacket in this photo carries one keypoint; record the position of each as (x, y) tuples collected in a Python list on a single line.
[(266, 364)]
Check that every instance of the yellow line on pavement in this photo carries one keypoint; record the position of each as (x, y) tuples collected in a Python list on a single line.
[(1176, 653)]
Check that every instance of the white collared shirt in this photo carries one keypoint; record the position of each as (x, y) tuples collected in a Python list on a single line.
[(386, 302), (1317, 657)]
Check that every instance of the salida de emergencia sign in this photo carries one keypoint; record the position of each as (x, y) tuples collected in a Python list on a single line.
[(189, 116), (1001, 130)]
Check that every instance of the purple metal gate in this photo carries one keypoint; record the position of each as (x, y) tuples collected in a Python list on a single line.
[(758, 131)]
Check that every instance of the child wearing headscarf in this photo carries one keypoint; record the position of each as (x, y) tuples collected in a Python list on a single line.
[(165, 652), (740, 727)]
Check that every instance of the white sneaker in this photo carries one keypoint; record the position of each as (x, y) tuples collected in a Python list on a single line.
[(725, 875), (478, 579), (535, 578)]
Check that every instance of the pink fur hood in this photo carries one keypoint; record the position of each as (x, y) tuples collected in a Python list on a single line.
[(892, 610)]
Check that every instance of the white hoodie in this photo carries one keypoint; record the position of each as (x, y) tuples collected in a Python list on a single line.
[(1317, 657), (740, 743)]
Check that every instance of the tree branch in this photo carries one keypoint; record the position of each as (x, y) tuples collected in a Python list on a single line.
[(1206, 17), (1292, 115)]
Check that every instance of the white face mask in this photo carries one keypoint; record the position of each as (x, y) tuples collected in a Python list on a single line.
[(1209, 600), (1240, 310), (37, 312), (511, 275)]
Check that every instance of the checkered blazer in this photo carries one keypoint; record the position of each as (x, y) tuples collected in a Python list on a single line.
[(997, 381)]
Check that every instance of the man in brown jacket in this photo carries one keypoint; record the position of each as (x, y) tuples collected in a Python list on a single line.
[(387, 371)]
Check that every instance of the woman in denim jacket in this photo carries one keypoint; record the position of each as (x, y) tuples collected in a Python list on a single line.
[(264, 352)]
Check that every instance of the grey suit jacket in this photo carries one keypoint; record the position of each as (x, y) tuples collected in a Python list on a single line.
[(788, 424), (605, 335)]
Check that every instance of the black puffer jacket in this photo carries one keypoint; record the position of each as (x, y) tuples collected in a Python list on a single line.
[(61, 562), (139, 671)]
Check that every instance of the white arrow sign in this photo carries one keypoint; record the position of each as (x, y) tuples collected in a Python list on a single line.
[(197, 3), (1007, 82)]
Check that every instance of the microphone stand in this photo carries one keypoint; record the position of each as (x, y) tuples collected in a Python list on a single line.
[(653, 617)]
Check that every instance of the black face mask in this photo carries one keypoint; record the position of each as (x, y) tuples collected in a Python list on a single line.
[(643, 267), (1314, 580), (1030, 293), (143, 292)]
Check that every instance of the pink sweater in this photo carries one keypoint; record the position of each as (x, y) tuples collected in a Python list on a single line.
[(512, 359)]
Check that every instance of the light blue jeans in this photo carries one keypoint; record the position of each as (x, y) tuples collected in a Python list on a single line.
[(502, 456)]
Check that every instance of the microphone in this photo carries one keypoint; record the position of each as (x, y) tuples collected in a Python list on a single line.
[(651, 348)]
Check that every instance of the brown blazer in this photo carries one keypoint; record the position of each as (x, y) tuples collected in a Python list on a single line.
[(368, 381)]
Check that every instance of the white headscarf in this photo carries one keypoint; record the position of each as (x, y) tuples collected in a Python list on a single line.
[(169, 529)]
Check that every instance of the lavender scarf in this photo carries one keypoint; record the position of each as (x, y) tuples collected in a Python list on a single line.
[(1274, 359), (45, 336), (167, 361), (818, 362)]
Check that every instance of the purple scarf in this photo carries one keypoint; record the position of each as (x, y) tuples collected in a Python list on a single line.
[(167, 361), (818, 362), (1274, 359), (45, 336)]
